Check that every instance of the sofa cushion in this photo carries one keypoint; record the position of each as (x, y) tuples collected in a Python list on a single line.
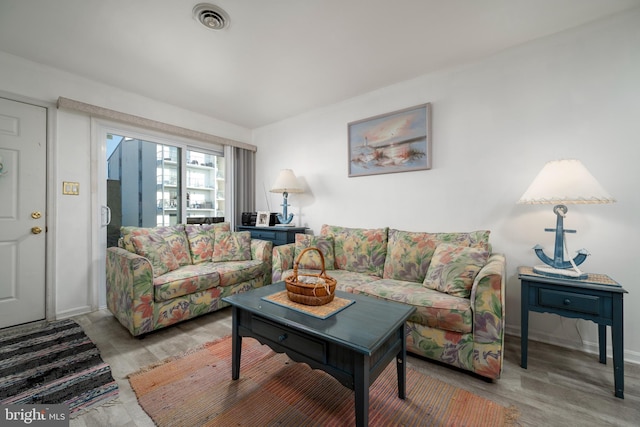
[(311, 259), (361, 250), (232, 246), (434, 309), (409, 253), (453, 269), (234, 272), (201, 239), (157, 251), (174, 235), (184, 281)]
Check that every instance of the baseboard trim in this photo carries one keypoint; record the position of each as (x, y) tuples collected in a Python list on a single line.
[(586, 346), (73, 312)]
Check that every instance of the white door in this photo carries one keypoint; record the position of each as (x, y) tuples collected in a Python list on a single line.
[(23, 149)]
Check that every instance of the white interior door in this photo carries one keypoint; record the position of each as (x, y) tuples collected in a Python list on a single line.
[(23, 149)]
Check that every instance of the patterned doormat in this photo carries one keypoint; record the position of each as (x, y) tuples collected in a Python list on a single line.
[(54, 363)]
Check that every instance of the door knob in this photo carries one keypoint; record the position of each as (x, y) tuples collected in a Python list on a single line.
[(36, 230), (36, 215)]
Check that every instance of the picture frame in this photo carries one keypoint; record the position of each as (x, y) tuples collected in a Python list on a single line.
[(262, 219), (394, 142)]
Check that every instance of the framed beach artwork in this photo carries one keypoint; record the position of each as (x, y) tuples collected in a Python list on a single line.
[(394, 142)]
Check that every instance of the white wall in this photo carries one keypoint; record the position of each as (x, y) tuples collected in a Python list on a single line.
[(495, 124), (70, 159)]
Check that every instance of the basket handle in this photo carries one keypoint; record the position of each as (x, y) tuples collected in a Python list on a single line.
[(305, 250)]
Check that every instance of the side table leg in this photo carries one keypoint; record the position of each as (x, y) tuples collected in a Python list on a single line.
[(602, 343), (618, 346), (236, 345), (361, 389), (524, 323)]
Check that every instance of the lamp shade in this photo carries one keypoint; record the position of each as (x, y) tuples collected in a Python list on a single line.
[(565, 182), (286, 183)]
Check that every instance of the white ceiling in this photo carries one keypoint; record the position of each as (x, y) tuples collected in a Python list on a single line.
[(279, 58)]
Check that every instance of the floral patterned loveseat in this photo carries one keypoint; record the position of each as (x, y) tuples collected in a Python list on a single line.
[(163, 275), (453, 279)]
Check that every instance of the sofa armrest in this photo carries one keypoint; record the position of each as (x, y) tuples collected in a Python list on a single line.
[(130, 290), (262, 250), (282, 260), (487, 302)]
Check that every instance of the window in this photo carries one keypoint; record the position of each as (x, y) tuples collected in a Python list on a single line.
[(151, 184)]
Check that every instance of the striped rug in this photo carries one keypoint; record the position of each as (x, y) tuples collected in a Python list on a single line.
[(54, 363), (196, 390)]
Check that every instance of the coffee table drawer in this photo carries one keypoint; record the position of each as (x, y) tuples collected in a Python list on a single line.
[(290, 339)]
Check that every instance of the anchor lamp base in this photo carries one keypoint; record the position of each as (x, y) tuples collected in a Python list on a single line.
[(559, 273)]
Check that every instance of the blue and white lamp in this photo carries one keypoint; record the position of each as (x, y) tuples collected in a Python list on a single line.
[(559, 183), (285, 184)]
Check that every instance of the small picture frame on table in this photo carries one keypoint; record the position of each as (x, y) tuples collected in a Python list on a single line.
[(262, 219)]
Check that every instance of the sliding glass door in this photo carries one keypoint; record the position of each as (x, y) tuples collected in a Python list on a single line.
[(153, 184)]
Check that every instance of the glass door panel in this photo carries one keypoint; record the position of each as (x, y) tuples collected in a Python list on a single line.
[(203, 184), (168, 185)]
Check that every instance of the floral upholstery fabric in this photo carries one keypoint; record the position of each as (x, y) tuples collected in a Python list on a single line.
[(311, 259), (174, 235), (156, 250), (453, 269), (481, 351), (347, 281), (186, 307), (201, 240), (233, 272), (466, 332), (358, 249), (143, 303), (434, 309), (282, 262), (232, 246), (452, 348), (410, 252), (185, 281)]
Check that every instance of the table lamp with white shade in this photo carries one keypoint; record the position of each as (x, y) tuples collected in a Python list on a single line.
[(562, 182), (286, 183)]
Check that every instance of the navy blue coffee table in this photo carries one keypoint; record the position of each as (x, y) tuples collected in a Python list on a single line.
[(354, 345)]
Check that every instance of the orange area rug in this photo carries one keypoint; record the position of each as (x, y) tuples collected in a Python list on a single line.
[(196, 389)]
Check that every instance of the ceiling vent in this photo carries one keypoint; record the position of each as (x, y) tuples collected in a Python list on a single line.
[(211, 16)]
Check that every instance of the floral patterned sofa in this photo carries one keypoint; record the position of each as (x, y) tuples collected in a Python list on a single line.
[(453, 279), (162, 275)]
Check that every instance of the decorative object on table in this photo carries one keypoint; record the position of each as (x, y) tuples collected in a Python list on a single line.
[(320, 311), (394, 142), (262, 219), (310, 288), (286, 183), (54, 363), (559, 183), (275, 391)]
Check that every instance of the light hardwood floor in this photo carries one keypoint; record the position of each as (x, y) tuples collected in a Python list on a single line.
[(561, 387)]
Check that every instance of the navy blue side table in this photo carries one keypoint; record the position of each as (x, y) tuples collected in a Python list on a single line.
[(597, 298)]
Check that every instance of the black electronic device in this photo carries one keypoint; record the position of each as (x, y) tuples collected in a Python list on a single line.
[(250, 218)]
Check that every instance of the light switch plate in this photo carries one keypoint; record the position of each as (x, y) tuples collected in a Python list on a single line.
[(72, 188)]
